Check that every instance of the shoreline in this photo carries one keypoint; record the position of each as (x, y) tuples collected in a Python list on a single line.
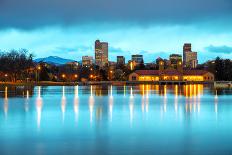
[(50, 83)]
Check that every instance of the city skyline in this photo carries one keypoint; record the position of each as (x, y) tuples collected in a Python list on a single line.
[(68, 29)]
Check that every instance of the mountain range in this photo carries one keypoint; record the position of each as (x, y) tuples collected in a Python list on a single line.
[(54, 60)]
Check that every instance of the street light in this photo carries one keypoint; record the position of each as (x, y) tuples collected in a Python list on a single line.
[(37, 73)]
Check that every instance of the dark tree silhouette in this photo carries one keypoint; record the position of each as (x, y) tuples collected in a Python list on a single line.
[(16, 63)]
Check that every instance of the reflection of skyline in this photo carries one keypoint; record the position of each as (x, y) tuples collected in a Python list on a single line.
[(150, 94)]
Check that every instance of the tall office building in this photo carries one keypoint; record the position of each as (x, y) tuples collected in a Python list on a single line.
[(101, 53), (137, 58), (120, 60), (189, 57)]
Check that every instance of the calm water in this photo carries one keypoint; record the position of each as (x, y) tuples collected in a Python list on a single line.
[(143, 119)]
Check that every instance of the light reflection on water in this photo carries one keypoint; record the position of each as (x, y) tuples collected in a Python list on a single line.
[(116, 119)]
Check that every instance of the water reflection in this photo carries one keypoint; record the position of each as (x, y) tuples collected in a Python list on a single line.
[(75, 103), (168, 97), (6, 102), (63, 104), (111, 103), (27, 101), (91, 104), (39, 105)]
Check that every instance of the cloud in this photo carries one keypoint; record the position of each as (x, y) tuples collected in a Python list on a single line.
[(219, 49), (30, 14)]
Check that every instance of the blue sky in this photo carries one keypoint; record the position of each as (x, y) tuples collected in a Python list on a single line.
[(150, 27)]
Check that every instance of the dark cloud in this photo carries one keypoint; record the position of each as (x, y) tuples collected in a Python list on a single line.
[(27, 14), (219, 49)]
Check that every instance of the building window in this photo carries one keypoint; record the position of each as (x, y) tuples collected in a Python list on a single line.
[(133, 78)]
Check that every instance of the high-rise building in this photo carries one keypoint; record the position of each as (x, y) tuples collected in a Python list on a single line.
[(120, 60), (137, 58), (174, 59), (186, 48), (87, 60), (101, 53), (189, 57)]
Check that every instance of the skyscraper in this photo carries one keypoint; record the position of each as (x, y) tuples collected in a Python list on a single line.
[(101, 53), (186, 48), (189, 57), (137, 58), (120, 60)]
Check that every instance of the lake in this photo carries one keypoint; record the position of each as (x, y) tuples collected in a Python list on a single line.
[(138, 119)]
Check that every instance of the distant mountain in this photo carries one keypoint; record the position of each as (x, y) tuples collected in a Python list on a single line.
[(54, 60)]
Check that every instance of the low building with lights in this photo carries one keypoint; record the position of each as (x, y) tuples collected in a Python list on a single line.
[(171, 75)]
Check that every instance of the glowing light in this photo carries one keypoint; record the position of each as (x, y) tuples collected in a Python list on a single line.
[(75, 76), (63, 75)]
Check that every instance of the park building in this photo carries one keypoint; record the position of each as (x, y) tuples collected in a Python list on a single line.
[(171, 74)]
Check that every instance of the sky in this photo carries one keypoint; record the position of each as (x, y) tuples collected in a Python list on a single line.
[(154, 28)]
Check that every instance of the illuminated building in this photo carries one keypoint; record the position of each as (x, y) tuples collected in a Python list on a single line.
[(131, 65), (171, 75), (101, 53), (189, 57), (174, 60), (87, 60)]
